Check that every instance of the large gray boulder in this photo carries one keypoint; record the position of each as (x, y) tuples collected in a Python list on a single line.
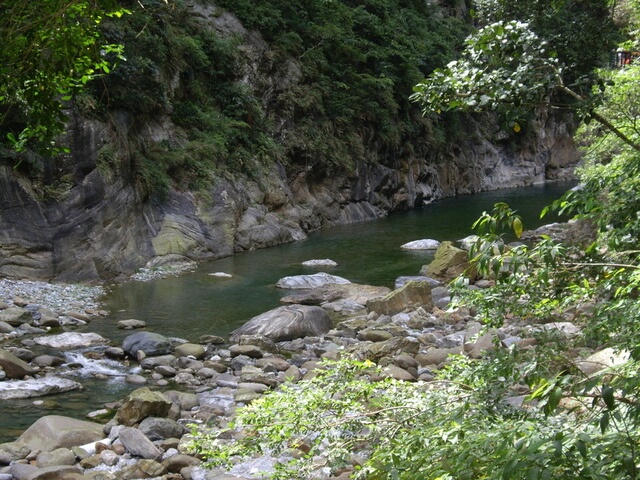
[(14, 367), (55, 431), (412, 294), (150, 343), (311, 281), (137, 443), (142, 403), (16, 316), (286, 323)]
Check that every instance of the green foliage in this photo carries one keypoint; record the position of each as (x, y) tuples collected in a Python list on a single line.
[(50, 51)]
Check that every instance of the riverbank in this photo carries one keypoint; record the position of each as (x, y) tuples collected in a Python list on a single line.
[(407, 331)]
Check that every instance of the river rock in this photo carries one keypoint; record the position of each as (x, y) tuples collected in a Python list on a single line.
[(449, 262), (145, 468), (51, 432), (175, 463), (411, 295), (16, 316), (142, 403), (310, 281), (286, 323), (71, 340), (14, 389), (131, 324), (190, 350), (602, 359), (14, 367), (424, 244), (152, 344), (57, 457), (157, 428), (400, 281), (137, 443), (12, 452), (320, 263)]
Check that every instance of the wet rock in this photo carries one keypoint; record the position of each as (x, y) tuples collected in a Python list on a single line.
[(411, 295), (48, 361), (151, 363), (137, 444), (424, 244), (142, 403), (310, 281), (211, 339), (37, 387), (135, 379), (71, 340), (54, 431), (14, 367), (152, 344), (286, 323)]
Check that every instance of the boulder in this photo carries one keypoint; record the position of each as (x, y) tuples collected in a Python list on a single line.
[(12, 452), (400, 281), (449, 262), (286, 323), (190, 350), (413, 294), (137, 444), (325, 262), (16, 316), (156, 428), (424, 244), (51, 432), (142, 403), (310, 281), (36, 387), (14, 367), (152, 344), (602, 359), (70, 340)]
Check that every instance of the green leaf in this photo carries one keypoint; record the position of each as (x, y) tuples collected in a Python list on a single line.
[(607, 397)]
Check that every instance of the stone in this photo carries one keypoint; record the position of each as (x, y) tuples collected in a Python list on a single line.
[(319, 263), (264, 343), (286, 323), (156, 428), (145, 468), (310, 281), (400, 281), (250, 351), (175, 463), (278, 363), (57, 457), (36, 387), (374, 335), (137, 444), (55, 431), (190, 350), (12, 452), (601, 360), (405, 361), (54, 473), (449, 262), (398, 373), (440, 297), (131, 324), (436, 356), (412, 294), (566, 328), (424, 244), (14, 367), (142, 403), (71, 340), (16, 316), (152, 344)]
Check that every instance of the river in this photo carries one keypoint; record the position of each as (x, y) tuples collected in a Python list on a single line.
[(192, 304)]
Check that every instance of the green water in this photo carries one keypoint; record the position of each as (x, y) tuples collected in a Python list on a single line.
[(193, 304)]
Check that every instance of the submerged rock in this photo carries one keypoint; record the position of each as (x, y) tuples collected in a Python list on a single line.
[(286, 323)]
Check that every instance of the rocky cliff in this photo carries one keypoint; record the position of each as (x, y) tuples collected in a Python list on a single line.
[(99, 224)]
